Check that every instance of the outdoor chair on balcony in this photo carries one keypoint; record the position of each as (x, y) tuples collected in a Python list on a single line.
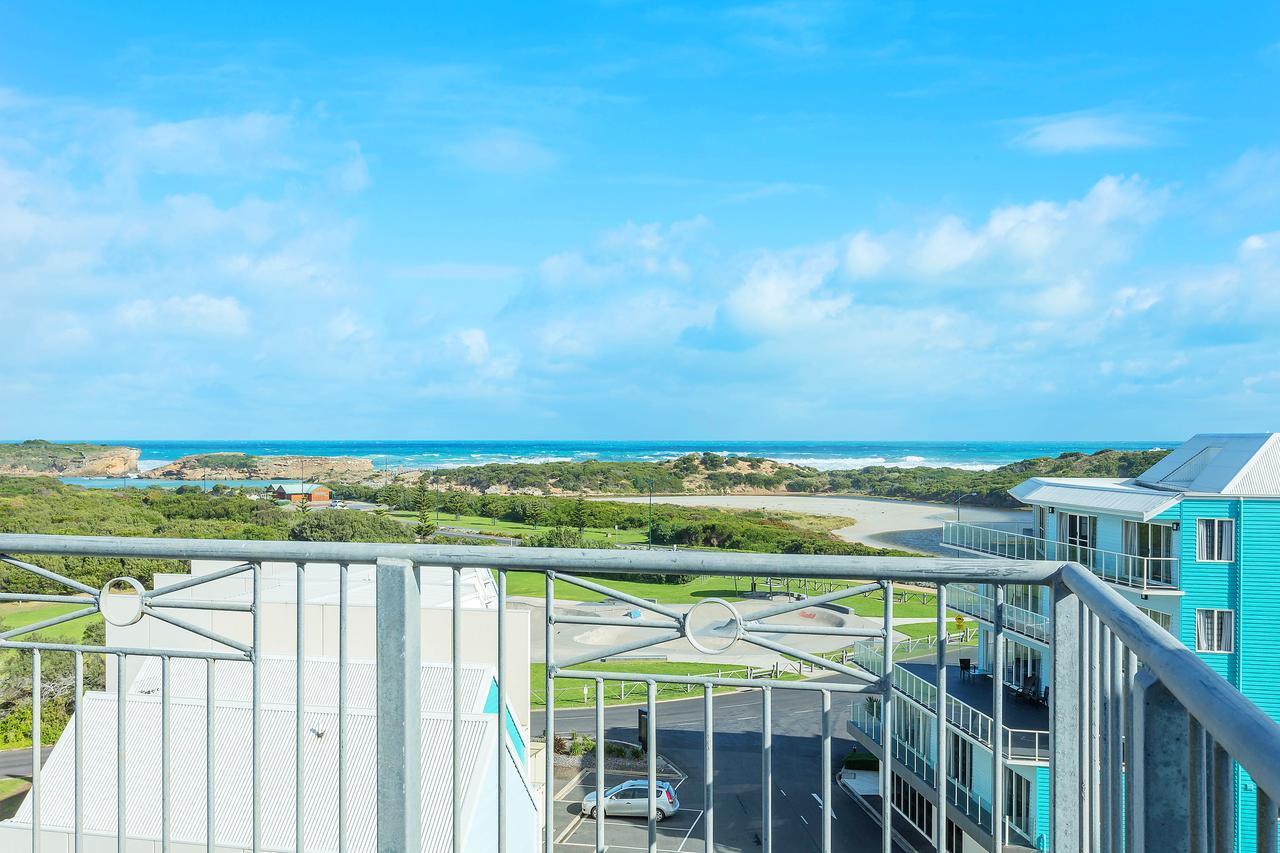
[(966, 667)]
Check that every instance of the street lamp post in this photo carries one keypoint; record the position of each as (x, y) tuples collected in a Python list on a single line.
[(651, 515), (960, 498)]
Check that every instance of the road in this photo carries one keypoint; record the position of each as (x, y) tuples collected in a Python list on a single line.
[(17, 762), (797, 779)]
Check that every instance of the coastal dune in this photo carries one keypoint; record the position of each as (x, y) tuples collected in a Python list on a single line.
[(881, 522)]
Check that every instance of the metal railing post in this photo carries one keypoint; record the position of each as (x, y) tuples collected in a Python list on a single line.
[(940, 729), (1066, 779), (886, 728), (1224, 802), (399, 679), (1161, 776), (997, 721)]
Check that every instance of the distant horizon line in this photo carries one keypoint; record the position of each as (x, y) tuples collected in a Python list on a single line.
[(119, 441)]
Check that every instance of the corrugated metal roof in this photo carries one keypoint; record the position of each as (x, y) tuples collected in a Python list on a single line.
[(1221, 464), (1124, 497), (233, 780), (233, 683)]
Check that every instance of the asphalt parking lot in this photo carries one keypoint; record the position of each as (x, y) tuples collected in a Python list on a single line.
[(675, 834)]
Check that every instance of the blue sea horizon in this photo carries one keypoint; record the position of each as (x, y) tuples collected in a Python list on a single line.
[(826, 455)]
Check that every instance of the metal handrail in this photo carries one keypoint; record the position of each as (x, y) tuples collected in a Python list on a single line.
[(595, 560), (1114, 566), (1129, 704), (1242, 728), (974, 603)]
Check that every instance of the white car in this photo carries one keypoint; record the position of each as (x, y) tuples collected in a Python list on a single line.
[(629, 799)]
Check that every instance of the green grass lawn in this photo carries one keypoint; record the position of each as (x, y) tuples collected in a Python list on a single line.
[(514, 528), (704, 586), (569, 691), (11, 794), (17, 614)]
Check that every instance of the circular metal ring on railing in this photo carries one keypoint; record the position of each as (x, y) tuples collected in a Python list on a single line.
[(735, 620), (121, 610)]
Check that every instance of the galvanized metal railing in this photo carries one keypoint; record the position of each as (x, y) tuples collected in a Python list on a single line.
[(1019, 619), (1131, 570), (1146, 739)]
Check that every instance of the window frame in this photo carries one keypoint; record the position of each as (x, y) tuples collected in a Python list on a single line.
[(1229, 636), (1219, 539)]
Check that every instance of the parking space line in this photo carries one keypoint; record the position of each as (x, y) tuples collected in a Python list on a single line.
[(572, 783), (685, 840), (571, 828)]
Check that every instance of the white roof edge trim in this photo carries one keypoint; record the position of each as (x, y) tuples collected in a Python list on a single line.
[(1269, 444)]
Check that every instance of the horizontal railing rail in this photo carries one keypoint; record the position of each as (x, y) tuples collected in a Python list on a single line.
[(1145, 740), (1119, 568), (1019, 619)]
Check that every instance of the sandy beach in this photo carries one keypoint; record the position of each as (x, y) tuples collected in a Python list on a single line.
[(913, 525)]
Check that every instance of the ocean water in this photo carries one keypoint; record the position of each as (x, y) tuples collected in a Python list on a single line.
[(826, 455)]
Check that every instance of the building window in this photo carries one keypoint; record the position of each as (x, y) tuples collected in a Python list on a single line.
[(912, 805), (1164, 620), (1018, 802), (1215, 540), (960, 759), (1078, 530), (1215, 631)]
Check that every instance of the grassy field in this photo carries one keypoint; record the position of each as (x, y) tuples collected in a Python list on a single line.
[(707, 586), (570, 692), (15, 615), (516, 529), (11, 793)]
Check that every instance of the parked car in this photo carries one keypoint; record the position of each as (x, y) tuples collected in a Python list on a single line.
[(630, 799)]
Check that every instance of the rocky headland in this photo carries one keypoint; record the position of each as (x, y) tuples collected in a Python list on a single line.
[(36, 458), (240, 466)]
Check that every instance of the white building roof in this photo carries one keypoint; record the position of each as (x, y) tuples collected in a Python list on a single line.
[(280, 584), (233, 759), (233, 682), (233, 774), (1220, 464), (297, 488), (1095, 494), (1244, 465)]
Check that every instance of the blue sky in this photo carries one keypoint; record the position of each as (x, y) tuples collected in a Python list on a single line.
[(632, 220)]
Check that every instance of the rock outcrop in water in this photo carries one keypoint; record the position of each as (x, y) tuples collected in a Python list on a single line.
[(38, 458), (240, 466)]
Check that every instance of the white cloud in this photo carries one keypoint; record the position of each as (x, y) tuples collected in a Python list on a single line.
[(865, 257), (353, 175), (458, 271), (1090, 131), (786, 291), (213, 145), (198, 314), (473, 345), (503, 151), (347, 327), (651, 250), (1038, 241)]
